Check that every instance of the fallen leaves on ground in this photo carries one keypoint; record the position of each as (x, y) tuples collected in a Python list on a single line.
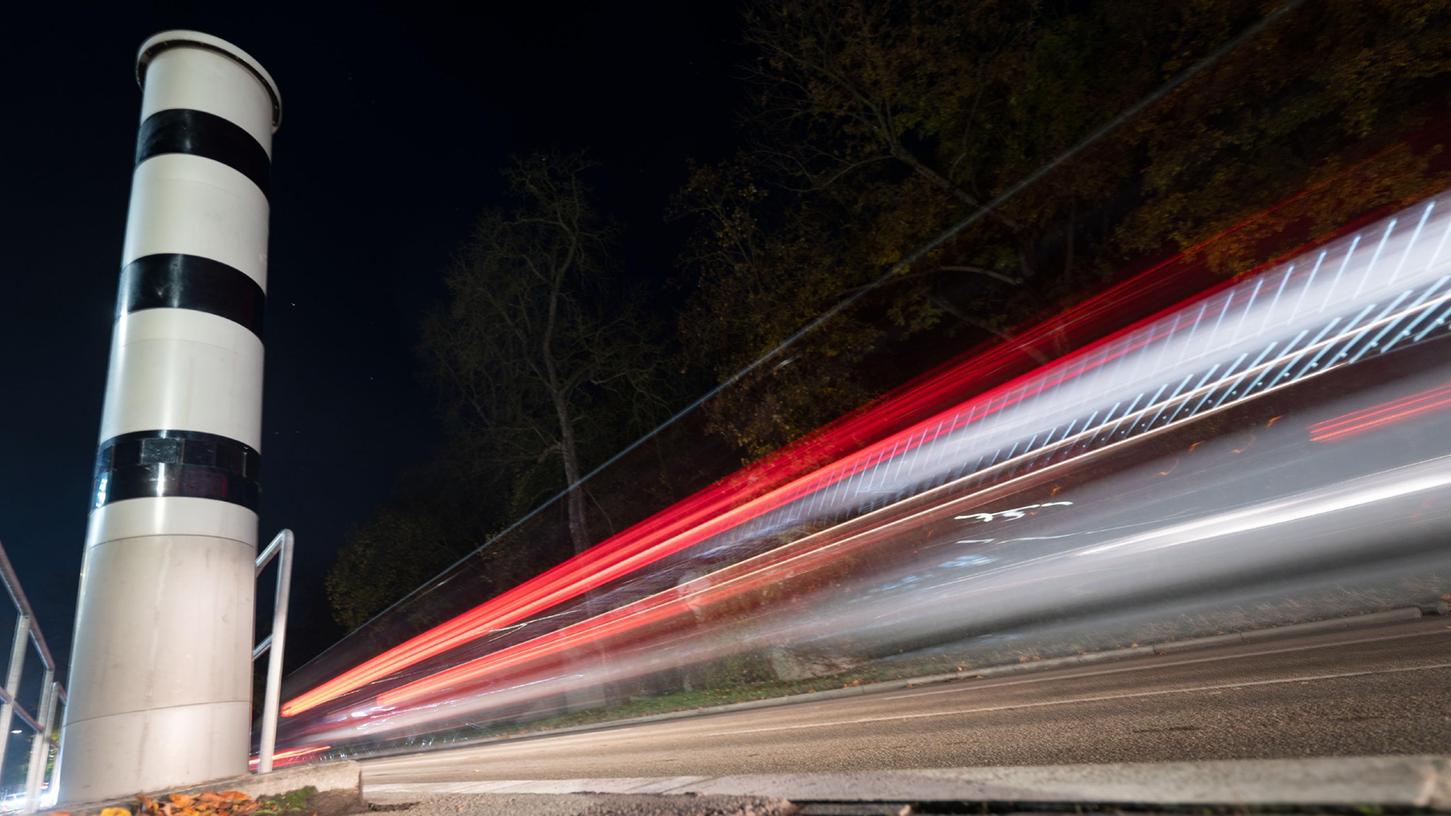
[(213, 803), (208, 803)]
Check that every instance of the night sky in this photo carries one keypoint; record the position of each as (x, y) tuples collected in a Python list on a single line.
[(396, 121)]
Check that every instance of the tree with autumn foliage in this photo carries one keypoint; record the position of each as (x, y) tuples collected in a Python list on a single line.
[(874, 127)]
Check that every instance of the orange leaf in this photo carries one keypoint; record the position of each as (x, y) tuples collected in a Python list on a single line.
[(115, 811), (182, 800), (234, 795)]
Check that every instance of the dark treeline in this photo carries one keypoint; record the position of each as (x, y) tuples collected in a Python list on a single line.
[(872, 127)]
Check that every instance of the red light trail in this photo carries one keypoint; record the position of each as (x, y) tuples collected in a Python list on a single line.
[(292, 755), (1380, 416)]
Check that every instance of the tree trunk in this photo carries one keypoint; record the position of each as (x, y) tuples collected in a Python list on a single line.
[(568, 451), (604, 693), (574, 497)]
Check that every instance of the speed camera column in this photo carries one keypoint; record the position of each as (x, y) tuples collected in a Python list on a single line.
[(160, 682)]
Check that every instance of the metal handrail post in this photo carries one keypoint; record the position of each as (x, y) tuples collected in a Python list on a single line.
[(12, 680), (60, 699), (40, 743), (274, 645)]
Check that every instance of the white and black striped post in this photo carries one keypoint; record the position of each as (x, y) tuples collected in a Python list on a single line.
[(160, 682)]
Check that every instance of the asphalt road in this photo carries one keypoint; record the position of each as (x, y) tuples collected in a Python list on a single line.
[(1378, 690)]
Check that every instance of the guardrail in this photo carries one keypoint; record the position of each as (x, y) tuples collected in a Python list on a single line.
[(274, 643), (52, 693)]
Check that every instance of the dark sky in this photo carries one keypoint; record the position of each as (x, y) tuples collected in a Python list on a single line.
[(397, 119)]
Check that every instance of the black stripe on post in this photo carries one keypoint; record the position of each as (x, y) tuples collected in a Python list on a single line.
[(175, 281), (162, 464), (199, 133)]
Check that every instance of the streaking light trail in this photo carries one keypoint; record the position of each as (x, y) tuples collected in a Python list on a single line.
[(840, 451), (293, 756), (966, 519), (1391, 413)]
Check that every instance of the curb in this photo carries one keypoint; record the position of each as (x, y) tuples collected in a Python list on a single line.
[(339, 787), (1376, 781), (339, 778), (1398, 615)]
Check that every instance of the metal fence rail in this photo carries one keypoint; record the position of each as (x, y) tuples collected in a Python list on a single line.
[(273, 644), (52, 694)]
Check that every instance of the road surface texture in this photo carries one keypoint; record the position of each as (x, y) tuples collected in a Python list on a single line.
[(1365, 691), (595, 805)]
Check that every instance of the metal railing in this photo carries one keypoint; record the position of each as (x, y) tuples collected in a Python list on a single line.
[(274, 644), (52, 693)]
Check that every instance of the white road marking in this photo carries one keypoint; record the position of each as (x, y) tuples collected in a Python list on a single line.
[(1308, 678)]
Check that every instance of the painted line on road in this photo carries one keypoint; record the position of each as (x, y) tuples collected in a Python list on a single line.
[(961, 689), (1307, 678)]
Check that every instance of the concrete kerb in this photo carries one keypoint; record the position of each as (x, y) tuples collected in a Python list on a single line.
[(1382, 781), (339, 787), (1388, 616), (327, 777)]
